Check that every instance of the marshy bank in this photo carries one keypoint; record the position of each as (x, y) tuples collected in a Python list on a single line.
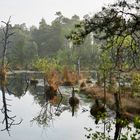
[(129, 103)]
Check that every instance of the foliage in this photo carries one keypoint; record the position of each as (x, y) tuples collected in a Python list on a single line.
[(49, 41), (122, 122), (67, 57), (129, 132), (135, 82), (87, 53), (137, 122), (51, 38), (45, 65), (22, 49), (115, 24), (43, 41), (96, 136)]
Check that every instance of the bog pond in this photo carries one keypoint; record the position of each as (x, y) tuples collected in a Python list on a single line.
[(43, 119)]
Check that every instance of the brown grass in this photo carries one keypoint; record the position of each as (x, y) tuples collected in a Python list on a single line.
[(3, 76), (69, 77), (129, 105), (53, 79)]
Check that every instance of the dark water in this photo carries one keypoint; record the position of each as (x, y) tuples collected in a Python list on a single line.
[(55, 122)]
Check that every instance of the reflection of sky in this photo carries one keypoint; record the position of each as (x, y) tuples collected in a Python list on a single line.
[(63, 127)]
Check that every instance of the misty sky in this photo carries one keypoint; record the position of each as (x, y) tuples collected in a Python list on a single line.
[(31, 11)]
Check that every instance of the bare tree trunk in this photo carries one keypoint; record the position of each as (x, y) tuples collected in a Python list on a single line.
[(117, 125), (8, 120), (104, 77), (5, 40)]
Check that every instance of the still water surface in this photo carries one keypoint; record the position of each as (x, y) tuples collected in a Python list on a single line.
[(62, 126)]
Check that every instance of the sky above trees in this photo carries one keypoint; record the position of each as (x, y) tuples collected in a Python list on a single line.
[(31, 11)]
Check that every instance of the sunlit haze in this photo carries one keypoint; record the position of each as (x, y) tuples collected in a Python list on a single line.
[(31, 11)]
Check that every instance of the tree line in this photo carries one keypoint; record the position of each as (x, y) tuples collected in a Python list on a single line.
[(26, 45)]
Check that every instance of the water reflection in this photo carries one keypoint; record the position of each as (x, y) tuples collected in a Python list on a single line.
[(114, 127), (17, 85), (47, 111), (73, 101), (8, 119), (45, 115), (52, 103), (49, 107), (98, 110)]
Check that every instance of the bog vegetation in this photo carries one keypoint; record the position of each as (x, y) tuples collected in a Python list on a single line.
[(107, 43)]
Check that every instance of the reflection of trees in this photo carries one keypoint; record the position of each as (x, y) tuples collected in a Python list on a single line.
[(48, 110), (8, 120), (120, 122), (98, 110), (121, 130), (74, 108), (38, 94), (45, 115), (50, 107), (17, 85)]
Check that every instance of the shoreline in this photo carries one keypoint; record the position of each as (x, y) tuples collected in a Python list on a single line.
[(131, 106)]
